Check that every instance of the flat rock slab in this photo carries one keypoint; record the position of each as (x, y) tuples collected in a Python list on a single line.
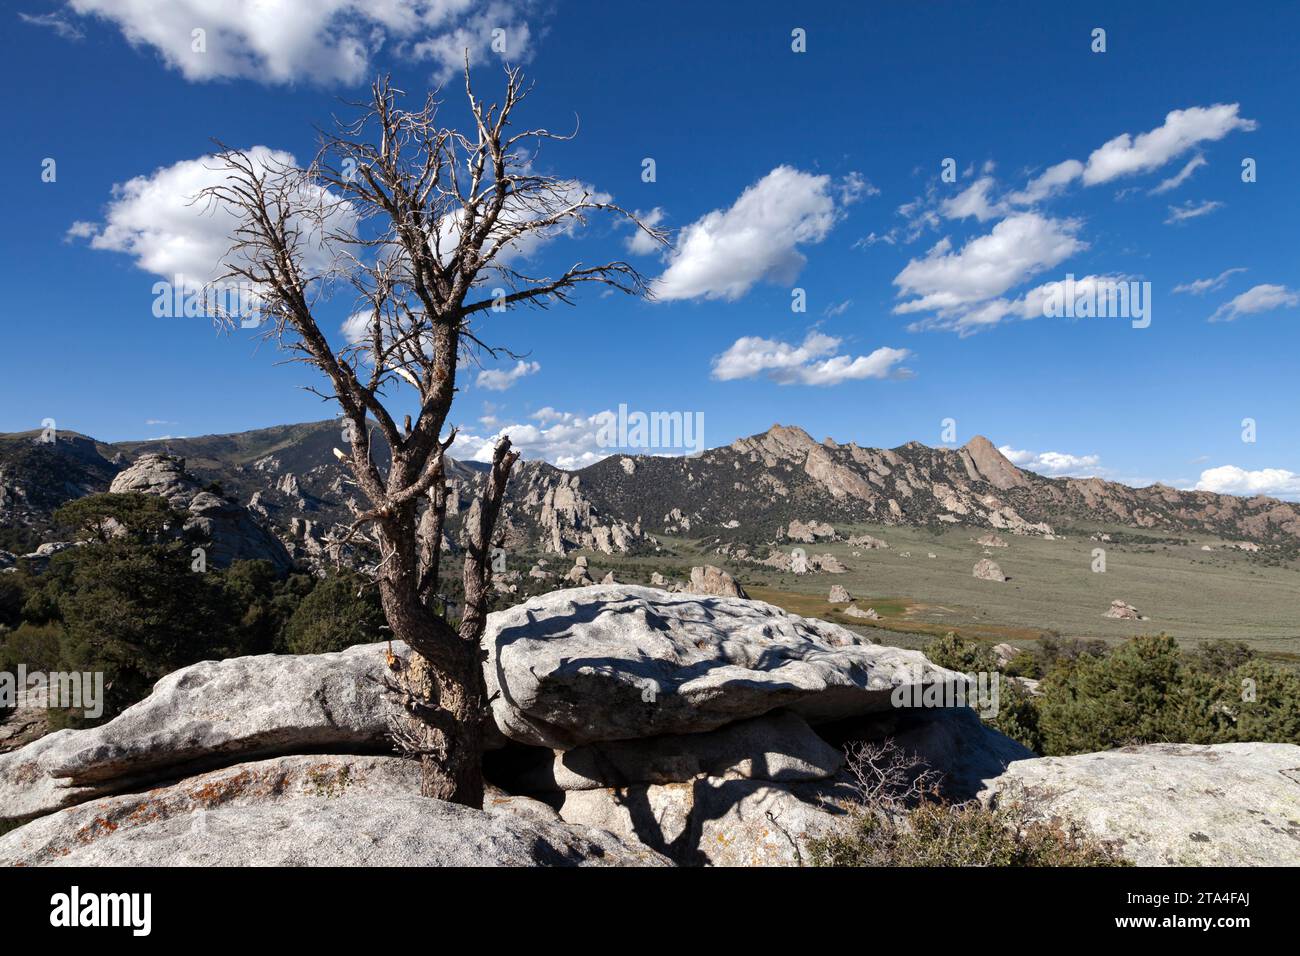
[(211, 713), (614, 663), (307, 811), (1177, 804), (778, 747)]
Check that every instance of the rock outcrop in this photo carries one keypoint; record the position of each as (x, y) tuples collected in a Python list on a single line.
[(839, 595), (1123, 611), (714, 580), (870, 614), (1175, 804), (779, 747), (635, 727), (590, 664), (307, 811), (987, 570), (712, 821), (234, 533), (210, 712)]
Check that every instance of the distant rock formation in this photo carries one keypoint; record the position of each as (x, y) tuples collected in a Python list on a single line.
[(987, 570), (1123, 611), (234, 533), (714, 580), (839, 595)]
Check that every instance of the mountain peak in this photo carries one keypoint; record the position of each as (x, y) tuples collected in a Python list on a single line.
[(993, 466)]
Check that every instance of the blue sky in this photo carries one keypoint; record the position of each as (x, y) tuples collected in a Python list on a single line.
[(775, 170)]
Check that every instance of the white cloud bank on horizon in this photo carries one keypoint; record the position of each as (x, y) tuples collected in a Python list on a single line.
[(1054, 464), (1232, 480)]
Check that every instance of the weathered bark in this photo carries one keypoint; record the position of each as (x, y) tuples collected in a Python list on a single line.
[(445, 694)]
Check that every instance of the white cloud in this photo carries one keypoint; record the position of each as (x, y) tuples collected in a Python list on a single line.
[(1176, 180), (1053, 463), (332, 41), (162, 223), (1031, 305), (640, 242), (1260, 298), (837, 309), (1191, 210), (1231, 480), (564, 439), (810, 363), (498, 380), (56, 22), (1201, 286), (1126, 154), (1182, 130), (726, 252), (974, 201), (1051, 181), (1017, 248)]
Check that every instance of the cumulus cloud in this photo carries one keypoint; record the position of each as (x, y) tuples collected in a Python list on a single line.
[(1202, 286), (1053, 463), (975, 201), (726, 252), (1260, 298), (1231, 480), (498, 380), (812, 362), (1051, 181), (1191, 210), (1031, 305), (334, 41), (160, 221), (1182, 130), (565, 439), (1018, 247), (1126, 154)]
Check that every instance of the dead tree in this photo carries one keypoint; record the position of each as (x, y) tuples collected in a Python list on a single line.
[(424, 222)]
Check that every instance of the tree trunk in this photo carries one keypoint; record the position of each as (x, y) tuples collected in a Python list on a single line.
[(445, 692), (445, 697)]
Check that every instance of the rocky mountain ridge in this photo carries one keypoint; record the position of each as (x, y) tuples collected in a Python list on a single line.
[(775, 487)]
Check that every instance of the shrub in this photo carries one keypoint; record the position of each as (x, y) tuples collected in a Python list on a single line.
[(339, 612), (1134, 695), (952, 652), (898, 822)]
